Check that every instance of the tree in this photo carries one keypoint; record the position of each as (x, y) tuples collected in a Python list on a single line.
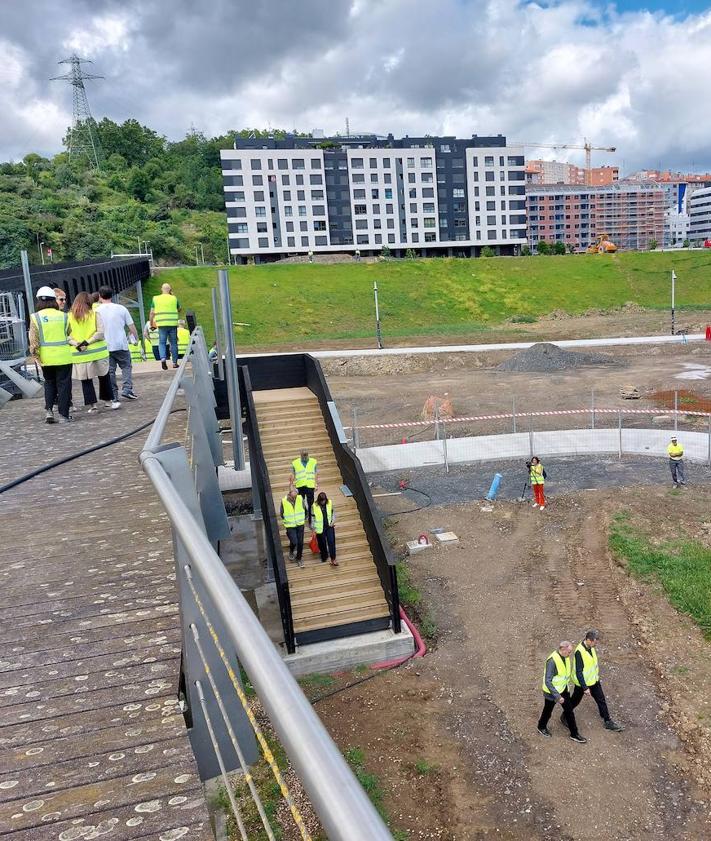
[(135, 143), (14, 236), (410, 254), (570, 248), (385, 252), (525, 251), (686, 243), (543, 247), (558, 247), (487, 251), (653, 244), (139, 184)]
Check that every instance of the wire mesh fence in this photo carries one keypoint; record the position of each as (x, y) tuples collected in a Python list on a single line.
[(510, 434)]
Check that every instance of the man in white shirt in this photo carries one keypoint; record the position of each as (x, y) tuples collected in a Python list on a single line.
[(116, 320)]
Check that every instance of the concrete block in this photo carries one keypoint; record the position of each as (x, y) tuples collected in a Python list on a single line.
[(447, 537), (349, 652), (414, 546), (234, 480)]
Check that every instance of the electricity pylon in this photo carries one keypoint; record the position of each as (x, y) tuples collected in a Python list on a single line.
[(83, 137)]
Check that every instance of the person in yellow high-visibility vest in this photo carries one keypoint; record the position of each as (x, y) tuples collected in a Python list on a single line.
[(556, 677), (90, 353), (537, 478), (293, 517), (304, 477), (150, 337), (586, 678), (164, 316), (676, 462), (49, 346), (183, 339), (324, 522)]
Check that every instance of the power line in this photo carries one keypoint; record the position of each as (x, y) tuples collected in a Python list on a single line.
[(84, 136)]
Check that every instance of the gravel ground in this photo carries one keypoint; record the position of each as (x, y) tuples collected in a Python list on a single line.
[(545, 357), (466, 482)]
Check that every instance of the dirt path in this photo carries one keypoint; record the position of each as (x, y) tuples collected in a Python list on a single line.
[(518, 582)]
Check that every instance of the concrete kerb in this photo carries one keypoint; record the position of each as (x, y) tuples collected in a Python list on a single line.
[(648, 442)]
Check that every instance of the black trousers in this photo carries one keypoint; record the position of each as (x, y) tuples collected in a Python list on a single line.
[(308, 495), (296, 541), (597, 694), (327, 543), (57, 387), (105, 392), (568, 714)]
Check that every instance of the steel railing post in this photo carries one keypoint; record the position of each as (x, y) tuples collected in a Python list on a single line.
[(676, 410), (619, 435), (592, 409), (513, 413), (218, 343), (354, 422), (231, 372)]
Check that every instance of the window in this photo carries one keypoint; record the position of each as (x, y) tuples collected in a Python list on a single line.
[(410, 163), (356, 163), (375, 194), (315, 179), (257, 181), (374, 178), (235, 181), (415, 237), (238, 195), (317, 194), (491, 205), (411, 177), (318, 210), (289, 226), (458, 163), (360, 209), (375, 210), (287, 195), (462, 223), (458, 193), (377, 224), (302, 210), (414, 223), (263, 242), (241, 228), (358, 194), (288, 211), (320, 241), (260, 211), (489, 176), (261, 227), (300, 195), (259, 195), (430, 222), (282, 163), (412, 193), (255, 163), (413, 207), (491, 234), (232, 164), (297, 163), (428, 192), (319, 225), (386, 163), (361, 224), (426, 163), (378, 239), (443, 222), (358, 178), (373, 163), (291, 242), (388, 193), (428, 207), (491, 220), (514, 160), (300, 179), (391, 237), (362, 239), (304, 240), (285, 179), (444, 147), (315, 163), (387, 178), (491, 191), (427, 178), (390, 223), (238, 212), (389, 208), (489, 160), (303, 226), (431, 237)]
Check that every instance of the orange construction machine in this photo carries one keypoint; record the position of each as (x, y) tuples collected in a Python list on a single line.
[(602, 246)]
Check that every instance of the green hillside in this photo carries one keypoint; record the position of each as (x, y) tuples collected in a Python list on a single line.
[(287, 302)]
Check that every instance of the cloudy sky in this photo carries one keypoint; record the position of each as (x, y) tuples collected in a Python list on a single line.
[(632, 73)]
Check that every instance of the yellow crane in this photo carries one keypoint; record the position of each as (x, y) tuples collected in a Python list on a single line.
[(587, 147)]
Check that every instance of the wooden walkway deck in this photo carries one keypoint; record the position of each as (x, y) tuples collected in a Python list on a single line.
[(92, 743)]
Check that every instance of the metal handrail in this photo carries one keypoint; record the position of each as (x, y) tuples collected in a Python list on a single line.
[(339, 800)]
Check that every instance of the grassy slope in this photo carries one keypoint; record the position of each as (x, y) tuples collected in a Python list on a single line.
[(288, 302)]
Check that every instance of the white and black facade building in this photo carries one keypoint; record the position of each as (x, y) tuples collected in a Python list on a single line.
[(434, 195)]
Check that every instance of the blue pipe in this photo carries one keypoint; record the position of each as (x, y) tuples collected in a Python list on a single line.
[(494, 489)]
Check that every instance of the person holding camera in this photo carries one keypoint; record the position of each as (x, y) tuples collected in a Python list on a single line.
[(537, 478)]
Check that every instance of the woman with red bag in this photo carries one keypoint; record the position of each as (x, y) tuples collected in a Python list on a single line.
[(324, 518)]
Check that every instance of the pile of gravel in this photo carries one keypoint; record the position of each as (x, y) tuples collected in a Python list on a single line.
[(544, 357)]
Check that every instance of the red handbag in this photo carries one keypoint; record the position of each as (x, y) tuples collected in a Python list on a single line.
[(313, 544)]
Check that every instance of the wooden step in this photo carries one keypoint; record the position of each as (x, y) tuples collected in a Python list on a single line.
[(336, 599), (314, 572), (311, 612), (337, 580), (323, 621)]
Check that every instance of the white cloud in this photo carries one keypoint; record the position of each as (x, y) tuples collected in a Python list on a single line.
[(552, 73)]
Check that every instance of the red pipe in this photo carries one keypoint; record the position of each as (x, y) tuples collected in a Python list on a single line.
[(419, 651)]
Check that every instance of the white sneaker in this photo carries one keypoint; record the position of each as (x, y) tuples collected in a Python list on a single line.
[(115, 404), (543, 507), (534, 505), (93, 409)]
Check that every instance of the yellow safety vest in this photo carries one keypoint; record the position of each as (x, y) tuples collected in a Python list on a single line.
[(183, 340), (153, 336), (564, 670), (54, 349), (135, 351), (84, 330), (537, 474), (165, 310), (317, 515), (675, 452), (591, 671), (294, 515), (304, 476)]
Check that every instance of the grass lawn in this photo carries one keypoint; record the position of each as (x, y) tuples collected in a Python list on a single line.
[(285, 303)]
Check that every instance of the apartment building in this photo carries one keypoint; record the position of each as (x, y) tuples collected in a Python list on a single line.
[(631, 215), (699, 207), (434, 195), (561, 172), (678, 188)]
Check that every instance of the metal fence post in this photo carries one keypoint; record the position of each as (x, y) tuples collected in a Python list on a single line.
[(28, 282), (530, 438), (218, 343), (444, 447), (513, 413), (619, 434), (231, 372), (676, 410), (354, 427), (592, 409)]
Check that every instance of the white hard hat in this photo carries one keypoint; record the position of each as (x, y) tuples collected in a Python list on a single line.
[(45, 292)]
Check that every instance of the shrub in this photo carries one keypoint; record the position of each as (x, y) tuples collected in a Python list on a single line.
[(487, 251)]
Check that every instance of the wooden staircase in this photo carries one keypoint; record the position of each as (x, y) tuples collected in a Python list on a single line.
[(322, 596)]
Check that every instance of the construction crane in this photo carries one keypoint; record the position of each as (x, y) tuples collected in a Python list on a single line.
[(588, 148)]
